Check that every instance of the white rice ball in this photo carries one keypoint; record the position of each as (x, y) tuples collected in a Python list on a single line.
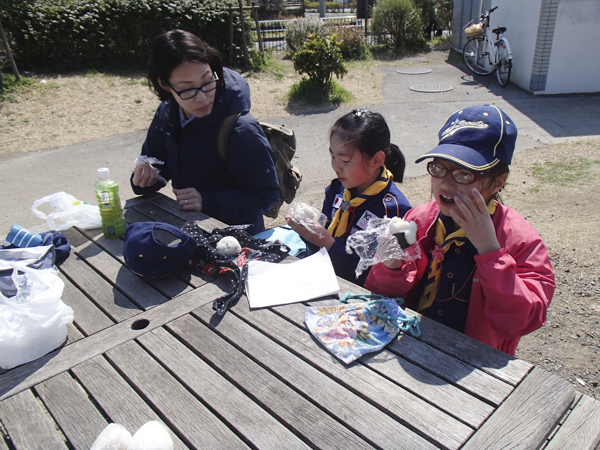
[(229, 246), (306, 213), (399, 225), (113, 437), (152, 435)]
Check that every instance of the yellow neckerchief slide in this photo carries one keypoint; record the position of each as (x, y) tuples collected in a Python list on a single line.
[(339, 223), (442, 244)]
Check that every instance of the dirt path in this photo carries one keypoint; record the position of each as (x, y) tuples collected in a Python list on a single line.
[(552, 187)]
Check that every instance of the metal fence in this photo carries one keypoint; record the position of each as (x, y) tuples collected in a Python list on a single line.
[(273, 31)]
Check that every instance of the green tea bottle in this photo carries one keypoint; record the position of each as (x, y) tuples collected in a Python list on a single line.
[(107, 193)]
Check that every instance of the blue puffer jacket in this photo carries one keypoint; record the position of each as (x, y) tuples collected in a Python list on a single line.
[(389, 202), (239, 192)]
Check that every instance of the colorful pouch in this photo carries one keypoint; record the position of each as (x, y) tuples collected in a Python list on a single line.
[(351, 330)]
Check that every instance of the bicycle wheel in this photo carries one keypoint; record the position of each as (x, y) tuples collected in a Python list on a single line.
[(504, 66), (475, 54)]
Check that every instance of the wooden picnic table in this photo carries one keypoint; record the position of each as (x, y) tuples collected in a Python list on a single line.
[(142, 350)]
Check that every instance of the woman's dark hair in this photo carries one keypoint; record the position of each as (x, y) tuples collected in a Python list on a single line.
[(172, 48), (369, 133)]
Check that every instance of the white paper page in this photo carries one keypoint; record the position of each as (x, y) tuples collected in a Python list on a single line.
[(270, 284)]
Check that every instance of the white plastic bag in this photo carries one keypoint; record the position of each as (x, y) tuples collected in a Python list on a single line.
[(34, 321), (68, 212)]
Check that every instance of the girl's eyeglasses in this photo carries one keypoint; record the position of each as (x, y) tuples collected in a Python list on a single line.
[(460, 175), (188, 94)]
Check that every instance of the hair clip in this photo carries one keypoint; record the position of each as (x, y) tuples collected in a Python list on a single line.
[(358, 112)]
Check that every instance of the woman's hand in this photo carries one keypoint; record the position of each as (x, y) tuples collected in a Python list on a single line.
[(144, 175), (472, 215), (318, 236), (189, 199)]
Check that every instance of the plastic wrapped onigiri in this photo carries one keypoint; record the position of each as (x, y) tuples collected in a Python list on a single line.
[(113, 437), (306, 213), (229, 246), (152, 435), (405, 232)]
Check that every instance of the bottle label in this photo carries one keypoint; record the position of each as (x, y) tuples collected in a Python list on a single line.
[(105, 198), (111, 230)]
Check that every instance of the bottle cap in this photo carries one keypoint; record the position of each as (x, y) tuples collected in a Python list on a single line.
[(103, 173)]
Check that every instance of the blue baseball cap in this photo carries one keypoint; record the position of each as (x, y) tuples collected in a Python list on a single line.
[(152, 256), (477, 138)]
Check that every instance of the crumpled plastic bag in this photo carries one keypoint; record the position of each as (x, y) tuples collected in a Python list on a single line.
[(34, 321), (307, 215), (143, 159), (376, 244), (67, 212)]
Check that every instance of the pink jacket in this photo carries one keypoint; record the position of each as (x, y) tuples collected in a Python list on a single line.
[(512, 286)]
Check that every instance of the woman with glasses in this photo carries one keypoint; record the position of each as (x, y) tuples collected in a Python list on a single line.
[(484, 270), (197, 93)]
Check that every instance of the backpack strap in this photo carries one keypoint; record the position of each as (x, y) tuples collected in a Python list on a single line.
[(223, 136)]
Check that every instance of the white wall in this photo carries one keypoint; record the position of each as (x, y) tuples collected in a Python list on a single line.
[(575, 58), (521, 19)]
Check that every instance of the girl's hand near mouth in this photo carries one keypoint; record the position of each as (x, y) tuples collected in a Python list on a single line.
[(471, 214)]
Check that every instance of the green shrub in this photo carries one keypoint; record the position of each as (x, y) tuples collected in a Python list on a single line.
[(320, 58), (306, 91), (397, 23), (352, 43), (104, 34), (298, 30)]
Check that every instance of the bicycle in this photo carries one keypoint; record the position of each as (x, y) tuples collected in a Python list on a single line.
[(482, 54)]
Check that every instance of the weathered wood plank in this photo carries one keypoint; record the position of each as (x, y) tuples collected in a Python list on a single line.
[(87, 315), (318, 427), (30, 374), (73, 334), (205, 222), (247, 417), (180, 408), (404, 407), (71, 408), (416, 356), (388, 393), (117, 398), (28, 423), (447, 367), (581, 429), (528, 415), (108, 299), (473, 352)]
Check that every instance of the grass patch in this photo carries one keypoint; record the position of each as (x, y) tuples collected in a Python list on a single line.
[(565, 173), (308, 92), (12, 86)]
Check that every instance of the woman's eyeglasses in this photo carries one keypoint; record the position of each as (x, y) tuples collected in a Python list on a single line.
[(460, 175), (188, 94)]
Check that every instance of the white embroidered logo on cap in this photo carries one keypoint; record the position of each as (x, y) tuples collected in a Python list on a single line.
[(458, 125)]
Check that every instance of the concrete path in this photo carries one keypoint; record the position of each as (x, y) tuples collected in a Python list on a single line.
[(414, 119)]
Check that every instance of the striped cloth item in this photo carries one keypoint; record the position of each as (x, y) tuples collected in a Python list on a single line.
[(22, 237)]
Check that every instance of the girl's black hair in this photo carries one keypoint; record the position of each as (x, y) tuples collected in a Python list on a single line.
[(369, 133), (173, 47), (499, 169)]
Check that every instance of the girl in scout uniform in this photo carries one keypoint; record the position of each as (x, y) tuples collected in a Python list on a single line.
[(366, 165), (484, 270)]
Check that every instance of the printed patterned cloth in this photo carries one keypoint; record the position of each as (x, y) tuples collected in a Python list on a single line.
[(352, 330)]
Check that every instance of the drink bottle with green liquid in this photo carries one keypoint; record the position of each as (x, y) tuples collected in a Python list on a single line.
[(107, 193)]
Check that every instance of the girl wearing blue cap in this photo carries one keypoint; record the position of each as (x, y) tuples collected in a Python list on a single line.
[(484, 270), (366, 165)]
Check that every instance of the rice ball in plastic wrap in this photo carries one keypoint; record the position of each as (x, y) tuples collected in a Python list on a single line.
[(404, 232), (306, 215), (113, 437), (229, 246), (152, 435)]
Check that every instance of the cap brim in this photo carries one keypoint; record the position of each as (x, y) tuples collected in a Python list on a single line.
[(463, 156)]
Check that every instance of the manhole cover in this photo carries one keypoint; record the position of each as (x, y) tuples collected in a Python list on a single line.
[(413, 70), (417, 59), (431, 88)]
